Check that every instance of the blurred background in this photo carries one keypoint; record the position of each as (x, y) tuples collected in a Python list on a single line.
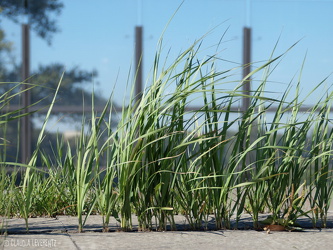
[(97, 44)]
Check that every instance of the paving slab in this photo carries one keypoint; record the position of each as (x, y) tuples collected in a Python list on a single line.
[(61, 233)]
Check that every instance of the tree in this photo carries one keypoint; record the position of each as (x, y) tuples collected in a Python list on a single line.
[(41, 19), (46, 77), (5, 52), (40, 14), (72, 90)]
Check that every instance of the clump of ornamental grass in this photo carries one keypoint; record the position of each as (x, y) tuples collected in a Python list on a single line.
[(22, 195), (168, 158), (164, 157), (24, 198), (320, 162)]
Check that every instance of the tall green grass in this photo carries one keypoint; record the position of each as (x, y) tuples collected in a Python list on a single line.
[(164, 159)]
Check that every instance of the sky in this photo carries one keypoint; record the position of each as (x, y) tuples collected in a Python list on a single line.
[(99, 34)]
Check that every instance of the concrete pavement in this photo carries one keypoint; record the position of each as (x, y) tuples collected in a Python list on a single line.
[(61, 233)]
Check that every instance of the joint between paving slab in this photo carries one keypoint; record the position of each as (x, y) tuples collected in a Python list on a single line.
[(70, 237)]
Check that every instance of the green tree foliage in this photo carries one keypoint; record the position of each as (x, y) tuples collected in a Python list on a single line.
[(72, 86), (5, 54), (41, 14), (42, 20)]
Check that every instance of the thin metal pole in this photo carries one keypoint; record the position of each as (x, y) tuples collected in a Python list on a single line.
[(26, 96), (138, 61), (246, 66)]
